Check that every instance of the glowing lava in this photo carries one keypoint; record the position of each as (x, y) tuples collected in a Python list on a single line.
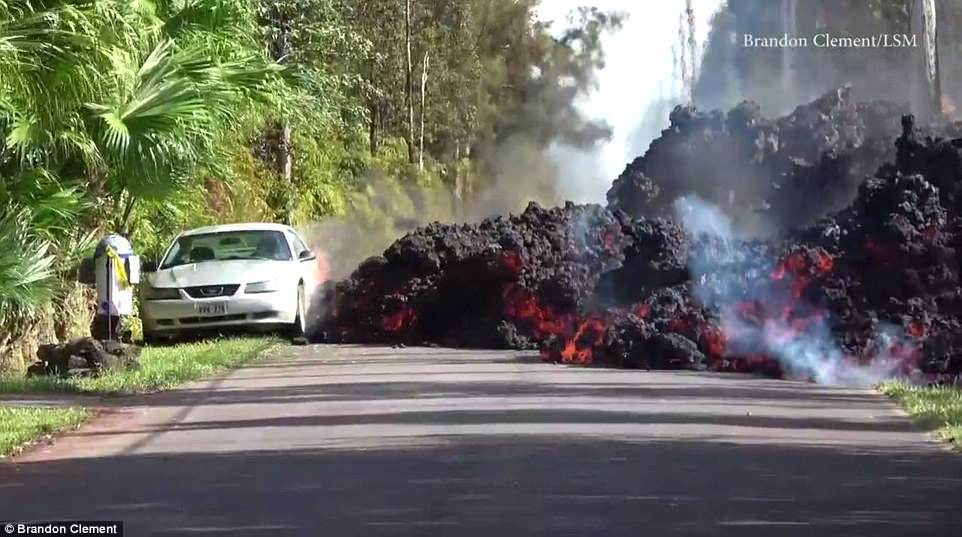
[(403, 319)]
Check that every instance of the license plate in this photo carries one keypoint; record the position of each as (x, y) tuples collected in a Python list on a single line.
[(213, 308)]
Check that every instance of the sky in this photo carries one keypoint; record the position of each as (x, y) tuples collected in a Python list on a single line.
[(638, 69)]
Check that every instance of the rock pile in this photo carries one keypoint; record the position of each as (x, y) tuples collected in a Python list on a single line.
[(776, 174), (84, 357)]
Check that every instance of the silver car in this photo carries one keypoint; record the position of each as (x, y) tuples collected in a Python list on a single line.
[(247, 275)]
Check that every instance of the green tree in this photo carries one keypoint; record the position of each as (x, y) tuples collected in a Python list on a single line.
[(103, 104)]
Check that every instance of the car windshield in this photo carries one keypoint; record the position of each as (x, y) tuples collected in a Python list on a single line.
[(228, 245)]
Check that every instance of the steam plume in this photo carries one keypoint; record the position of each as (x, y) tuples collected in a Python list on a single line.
[(770, 318)]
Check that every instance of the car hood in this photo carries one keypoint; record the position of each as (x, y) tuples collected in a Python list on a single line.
[(221, 273)]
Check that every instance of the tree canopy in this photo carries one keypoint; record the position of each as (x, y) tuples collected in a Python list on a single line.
[(148, 117)]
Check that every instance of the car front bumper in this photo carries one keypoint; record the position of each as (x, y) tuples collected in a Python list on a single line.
[(171, 316)]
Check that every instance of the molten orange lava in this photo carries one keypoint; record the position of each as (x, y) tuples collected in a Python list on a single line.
[(678, 324), (403, 319), (716, 341), (881, 251), (512, 260), (322, 270), (608, 239), (579, 349), (917, 330), (783, 314), (580, 337), (522, 305), (948, 105), (803, 266)]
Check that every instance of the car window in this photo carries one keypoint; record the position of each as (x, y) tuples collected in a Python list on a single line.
[(228, 245), (298, 245)]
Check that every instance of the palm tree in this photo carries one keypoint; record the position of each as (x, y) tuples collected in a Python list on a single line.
[(102, 104), (134, 95)]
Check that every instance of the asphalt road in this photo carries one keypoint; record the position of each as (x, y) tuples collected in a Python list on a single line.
[(360, 441)]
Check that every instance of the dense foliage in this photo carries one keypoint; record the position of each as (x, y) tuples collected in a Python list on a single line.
[(146, 117)]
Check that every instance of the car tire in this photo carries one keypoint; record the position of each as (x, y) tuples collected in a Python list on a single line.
[(151, 338), (298, 328)]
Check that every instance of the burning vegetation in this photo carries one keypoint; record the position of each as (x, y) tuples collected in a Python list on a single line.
[(848, 280)]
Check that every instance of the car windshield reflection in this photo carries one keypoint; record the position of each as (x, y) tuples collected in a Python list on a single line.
[(228, 246)]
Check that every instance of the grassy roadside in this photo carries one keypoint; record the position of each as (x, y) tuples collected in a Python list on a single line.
[(19, 426), (938, 406), (161, 368)]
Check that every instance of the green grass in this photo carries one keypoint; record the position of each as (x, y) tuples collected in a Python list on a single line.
[(20, 426), (938, 406), (161, 368)]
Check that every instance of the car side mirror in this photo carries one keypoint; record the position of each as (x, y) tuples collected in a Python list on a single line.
[(306, 255), (148, 266)]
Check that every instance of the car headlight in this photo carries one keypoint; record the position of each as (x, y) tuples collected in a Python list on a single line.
[(269, 286), (161, 293)]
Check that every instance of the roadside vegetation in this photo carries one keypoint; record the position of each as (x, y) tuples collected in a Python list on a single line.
[(939, 407), (145, 118), (161, 368), (21, 426)]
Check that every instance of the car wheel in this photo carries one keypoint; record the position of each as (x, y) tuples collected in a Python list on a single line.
[(299, 328), (151, 338)]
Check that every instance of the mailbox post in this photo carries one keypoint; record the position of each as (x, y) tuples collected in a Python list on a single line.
[(116, 272)]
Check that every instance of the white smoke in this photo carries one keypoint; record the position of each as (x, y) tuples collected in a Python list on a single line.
[(635, 90), (702, 218), (805, 350)]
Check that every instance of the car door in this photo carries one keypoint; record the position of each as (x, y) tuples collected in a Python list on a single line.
[(307, 262)]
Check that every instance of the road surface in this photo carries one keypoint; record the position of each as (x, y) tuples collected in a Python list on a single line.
[(365, 441)]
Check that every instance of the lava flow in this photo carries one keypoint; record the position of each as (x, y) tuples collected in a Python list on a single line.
[(847, 292)]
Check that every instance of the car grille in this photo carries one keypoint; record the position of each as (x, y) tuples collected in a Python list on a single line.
[(216, 319), (211, 291)]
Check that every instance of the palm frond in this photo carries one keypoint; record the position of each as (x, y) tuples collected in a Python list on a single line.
[(200, 15), (26, 269), (71, 252), (50, 208), (44, 34), (25, 134), (163, 97), (75, 140), (55, 214)]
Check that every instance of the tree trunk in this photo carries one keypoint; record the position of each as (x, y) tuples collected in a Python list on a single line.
[(409, 82), (683, 56), (286, 162), (458, 179), (280, 48), (692, 50), (465, 190), (424, 83), (374, 107), (372, 129), (931, 48), (123, 226), (789, 28)]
